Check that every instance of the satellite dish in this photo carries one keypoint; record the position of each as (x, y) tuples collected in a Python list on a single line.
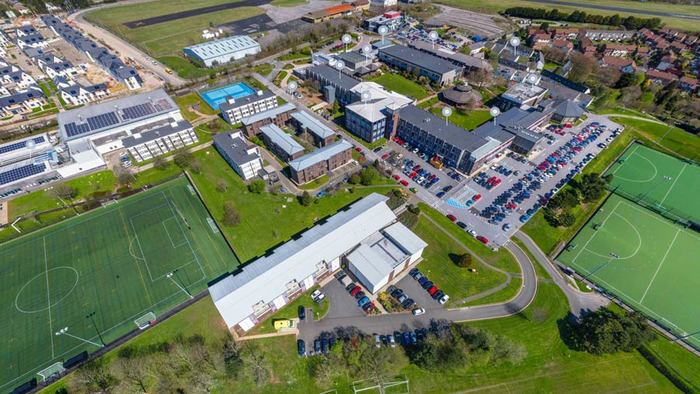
[(340, 65), (383, 30), (292, 86), (347, 38), (433, 35), (495, 111), (515, 41), (367, 49), (332, 62), (446, 111)]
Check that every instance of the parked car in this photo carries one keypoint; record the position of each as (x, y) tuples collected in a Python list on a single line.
[(301, 348)]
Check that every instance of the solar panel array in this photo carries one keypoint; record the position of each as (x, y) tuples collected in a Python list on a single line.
[(19, 145), (18, 173), (138, 111)]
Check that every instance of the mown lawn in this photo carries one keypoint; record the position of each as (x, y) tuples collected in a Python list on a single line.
[(399, 84), (466, 120), (439, 265), (265, 219)]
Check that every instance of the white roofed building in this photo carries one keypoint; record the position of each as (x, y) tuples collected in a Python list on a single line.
[(225, 50), (269, 283)]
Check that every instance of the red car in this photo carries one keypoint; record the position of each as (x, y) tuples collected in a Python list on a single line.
[(432, 290), (355, 290), (482, 239), (451, 217), (404, 182)]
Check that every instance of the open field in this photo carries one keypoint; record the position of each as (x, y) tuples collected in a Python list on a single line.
[(658, 179), (98, 272), (662, 137), (666, 8), (655, 272), (166, 39), (399, 84)]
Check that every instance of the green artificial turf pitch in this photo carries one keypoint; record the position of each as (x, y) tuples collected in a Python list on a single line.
[(113, 261), (657, 271), (662, 182)]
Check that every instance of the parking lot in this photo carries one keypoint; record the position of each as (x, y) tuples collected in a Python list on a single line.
[(499, 199)]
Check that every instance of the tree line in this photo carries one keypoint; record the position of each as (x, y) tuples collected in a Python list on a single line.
[(630, 22)]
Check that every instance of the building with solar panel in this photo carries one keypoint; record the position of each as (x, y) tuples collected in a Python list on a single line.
[(225, 50), (26, 162), (103, 127)]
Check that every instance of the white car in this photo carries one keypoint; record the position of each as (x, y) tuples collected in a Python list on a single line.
[(418, 311)]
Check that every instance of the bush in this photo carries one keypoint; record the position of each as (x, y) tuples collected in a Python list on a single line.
[(257, 186)]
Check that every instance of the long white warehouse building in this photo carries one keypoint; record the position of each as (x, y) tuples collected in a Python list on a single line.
[(247, 297)]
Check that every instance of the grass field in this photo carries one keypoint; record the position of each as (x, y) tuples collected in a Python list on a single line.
[(677, 23), (165, 40), (658, 179), (112, 262), (656, 271), (400, 84)]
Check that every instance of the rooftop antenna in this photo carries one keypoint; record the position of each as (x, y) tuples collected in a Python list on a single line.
[(495, 111), (514, 42), (367, 51), (383, 31), (446, 112), (292, 87), (339, 65), (433, 35), (347, 38)]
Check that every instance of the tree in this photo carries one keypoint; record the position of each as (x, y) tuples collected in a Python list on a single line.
[(605, 332), (231, 217), (221, 186), (183, 158), (257, 186), (65, 191), (581, 67), (464, 260), (306, 199)]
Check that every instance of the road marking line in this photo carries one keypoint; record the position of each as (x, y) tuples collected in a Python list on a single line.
[(670, 246)]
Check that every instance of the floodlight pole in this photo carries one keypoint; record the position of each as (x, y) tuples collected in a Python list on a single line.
[(91, 316), (172, 276), (64, 331)]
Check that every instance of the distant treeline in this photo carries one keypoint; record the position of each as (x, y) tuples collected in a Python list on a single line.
[(630, 22)]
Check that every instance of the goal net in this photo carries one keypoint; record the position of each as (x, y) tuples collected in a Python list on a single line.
[(51, 371), (145, 321)]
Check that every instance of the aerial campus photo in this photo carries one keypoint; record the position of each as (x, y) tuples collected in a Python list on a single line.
[(349, 196)]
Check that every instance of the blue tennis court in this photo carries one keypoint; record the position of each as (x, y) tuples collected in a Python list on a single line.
[(217, 96)]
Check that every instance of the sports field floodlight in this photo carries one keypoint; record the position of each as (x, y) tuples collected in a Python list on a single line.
[(514, 42), (383, 31), (494, 111), (367, 51), (347, 38), (340, 65), (292, 87), (433, 36), (446, 112)]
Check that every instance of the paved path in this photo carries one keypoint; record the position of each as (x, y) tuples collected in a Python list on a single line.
[(122, 47), (578, 301)]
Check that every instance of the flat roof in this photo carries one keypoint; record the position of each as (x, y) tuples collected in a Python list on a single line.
[(270, 113), (285, 141), (92, 119), (222, 47), (419, 58), (269, 276), (320, 155)]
